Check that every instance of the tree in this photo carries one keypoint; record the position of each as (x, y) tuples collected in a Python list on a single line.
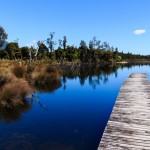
[(106, 46), (83, 45), (3, 36), (42, 50), (51, 43), (32, 53), (98, 44), (71, 53), (4, 54), (94, 42), (83, 51), (64, 42), (112, 49), (13, 50), (60, 43), (91, 48), (25, 53), (107, 56), (91, 45)]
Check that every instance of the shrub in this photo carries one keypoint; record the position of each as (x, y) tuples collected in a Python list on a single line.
[(19, 71), (4, 79), (50, 69), (46, 80), (13, 93), (30, 69)]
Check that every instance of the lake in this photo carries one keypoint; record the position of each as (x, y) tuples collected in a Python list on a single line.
[(72, 115)]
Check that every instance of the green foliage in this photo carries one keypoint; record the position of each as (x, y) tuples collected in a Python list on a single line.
[(64, 42), (25, 53), (13, 50), (42, 50), (4, 54), (51, 43), (3, 36), (95, 52), (83, 51), (71, 53), (60, 54)]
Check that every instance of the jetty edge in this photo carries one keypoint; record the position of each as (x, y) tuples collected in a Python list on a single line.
[(129, 124)]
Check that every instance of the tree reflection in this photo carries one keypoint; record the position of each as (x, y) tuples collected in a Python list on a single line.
[(12, 105), (50, 86), (64, 81), (94, 74)]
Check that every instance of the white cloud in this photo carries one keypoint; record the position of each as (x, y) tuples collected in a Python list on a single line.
[(139, 32), (33, 43)]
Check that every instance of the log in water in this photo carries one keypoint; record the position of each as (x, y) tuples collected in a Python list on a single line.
[(129, 125)]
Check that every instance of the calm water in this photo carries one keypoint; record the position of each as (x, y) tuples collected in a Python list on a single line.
[(71, 117)]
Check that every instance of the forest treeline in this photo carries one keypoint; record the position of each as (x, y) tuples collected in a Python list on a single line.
[(93, 52)]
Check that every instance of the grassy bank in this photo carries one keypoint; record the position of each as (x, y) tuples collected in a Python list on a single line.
[(19, 78)]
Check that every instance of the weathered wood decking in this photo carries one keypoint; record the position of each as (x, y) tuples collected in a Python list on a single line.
[(129, 125)]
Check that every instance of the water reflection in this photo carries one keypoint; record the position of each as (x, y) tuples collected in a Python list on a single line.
[(50, 86), (8, 115), (70, 119), (36, 97), (94, 74)]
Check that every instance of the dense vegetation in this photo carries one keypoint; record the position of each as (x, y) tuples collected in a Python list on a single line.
[(25, 70), (95, 52)]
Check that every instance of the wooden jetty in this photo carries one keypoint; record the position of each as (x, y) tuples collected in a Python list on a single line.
[(129, 125)]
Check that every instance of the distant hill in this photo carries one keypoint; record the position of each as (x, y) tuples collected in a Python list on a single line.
[(4, 46)]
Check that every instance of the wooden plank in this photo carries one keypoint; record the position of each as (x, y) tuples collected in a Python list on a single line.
[(129, 125)]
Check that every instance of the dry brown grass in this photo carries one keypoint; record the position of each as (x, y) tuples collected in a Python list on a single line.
[(4, 70), (30, 68), (46, 73), (4, 79), (13, 89), (19, 71), (46, 78), (13, 93)]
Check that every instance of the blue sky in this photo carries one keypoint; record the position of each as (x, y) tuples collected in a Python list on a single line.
[(123, 23)]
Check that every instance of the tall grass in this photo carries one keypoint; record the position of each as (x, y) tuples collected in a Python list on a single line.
[(30, 68), (19, 71), (46, 79), (4, 79), (13, 93), (16, 79)]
